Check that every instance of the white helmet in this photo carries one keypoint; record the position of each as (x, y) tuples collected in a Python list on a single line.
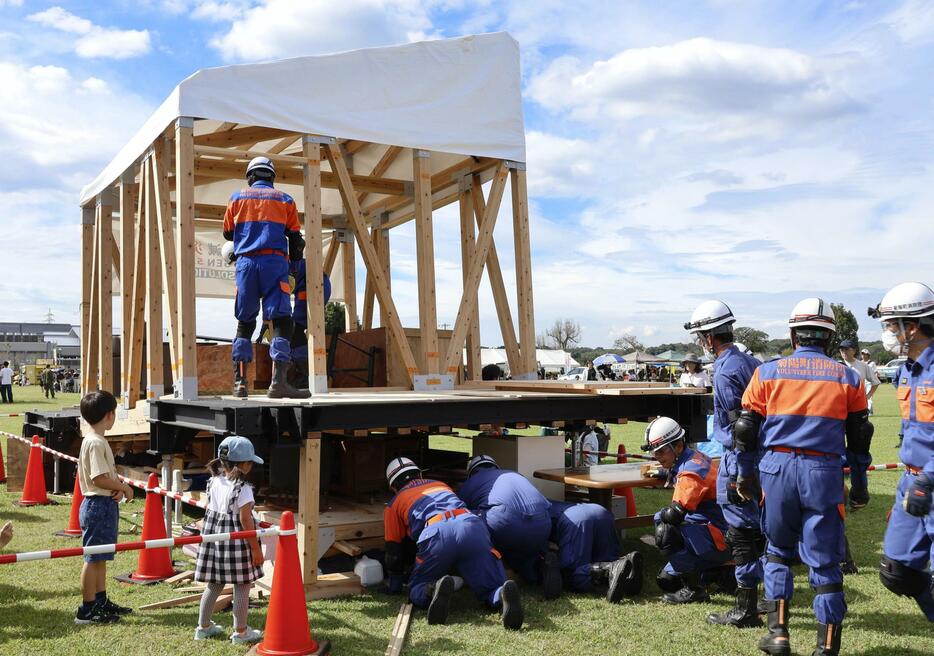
[(397, 467), (261, 164), (909, 300), (227, 252), (812, 313), (479, 461), (661, 432), (710, 315)]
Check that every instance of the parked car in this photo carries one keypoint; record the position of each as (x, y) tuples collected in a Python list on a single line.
[(889, 370), (577, 373)]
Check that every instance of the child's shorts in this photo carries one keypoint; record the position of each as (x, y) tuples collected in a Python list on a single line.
[(99, 517)]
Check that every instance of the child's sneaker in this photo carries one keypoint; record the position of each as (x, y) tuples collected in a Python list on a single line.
[(95, 615), (212, 631), (248, 637), (115, 609)]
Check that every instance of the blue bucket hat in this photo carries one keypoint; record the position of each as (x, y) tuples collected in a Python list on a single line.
[(239, 449)]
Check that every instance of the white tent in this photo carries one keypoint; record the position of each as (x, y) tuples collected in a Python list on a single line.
[(553, 360)]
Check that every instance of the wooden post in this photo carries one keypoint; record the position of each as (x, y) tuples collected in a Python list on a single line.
[(187, 363), (87, 285), (105, 289), (309, 483), (369, 295), (160, 187), (334, 247), (134, 365), (358, 226), (382, 238), (154, 378), (127, 271), (425, 256), (349, 266), (314, 274), (497, 284), (467, 248), (523, 249)]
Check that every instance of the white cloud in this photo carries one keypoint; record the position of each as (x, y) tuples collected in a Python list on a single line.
[(283, 28), (913, 21), (94, 41), (698, 76)]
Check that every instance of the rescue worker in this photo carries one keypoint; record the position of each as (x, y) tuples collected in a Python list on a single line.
[(588, 551), (516, 514), (299, 339), (907, 314), (447, 536), (712, 325), (690, 532), (262, 223), (804, 411)]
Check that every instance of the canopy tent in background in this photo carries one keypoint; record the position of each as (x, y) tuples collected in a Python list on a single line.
[(553, 360), (641, 357)]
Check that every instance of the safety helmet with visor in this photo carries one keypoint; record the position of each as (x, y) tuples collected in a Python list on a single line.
[(261, 167), (478, 462), (710, 317), (662, 432), (909, 300), (397, 467), (812, 320)]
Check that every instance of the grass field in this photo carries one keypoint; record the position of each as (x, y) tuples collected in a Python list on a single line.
[(38, 600)]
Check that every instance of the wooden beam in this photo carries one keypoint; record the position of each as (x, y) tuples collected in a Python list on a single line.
[(349, 270), (127, 271), (352, 146), (369, 295), (87, 285), (309, 483), (314, 270), (497, 284), (224, 127), (134, 365), (467, 248), (388, 157), (425, 258), (116, 258), (105, 290), (160, 185), (358, 226), (154, 377), (468, 300), (239, 136), (281, 145), (186, 352), (334, 247), (523, 250)]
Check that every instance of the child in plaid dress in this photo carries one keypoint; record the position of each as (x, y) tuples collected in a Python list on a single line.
[(233, 562)]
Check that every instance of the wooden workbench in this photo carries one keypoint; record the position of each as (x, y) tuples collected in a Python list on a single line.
[(600, 480)]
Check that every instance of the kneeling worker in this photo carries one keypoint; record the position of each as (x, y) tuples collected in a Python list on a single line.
[(588, 551), (690, 531), (448, 536), (516, 514)]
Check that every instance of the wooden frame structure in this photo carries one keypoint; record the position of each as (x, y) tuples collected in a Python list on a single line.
[(159, 199)]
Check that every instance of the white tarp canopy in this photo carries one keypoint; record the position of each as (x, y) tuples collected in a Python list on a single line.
[(457, 96), (550, 359)]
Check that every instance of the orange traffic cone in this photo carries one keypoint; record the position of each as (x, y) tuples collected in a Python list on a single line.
[(625, 491), (34, 487), (2, 469), (154, 564), (74, 522), (287, 632)]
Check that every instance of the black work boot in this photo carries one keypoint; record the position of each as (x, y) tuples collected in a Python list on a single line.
[(624, 576), (668, 582), (240, 385), (441, 600), (777, 642), (744, 614), (632, 581), (692, 592), (828, 639), (552, 583), (280, 387), (511, 606)]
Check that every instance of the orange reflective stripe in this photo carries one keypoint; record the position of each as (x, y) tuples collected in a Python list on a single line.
[(284, 286), (717, 536), (690, 490), (498, 555), (924, 404), (903, 394), (841, 508), (809, 398), (302, 296)]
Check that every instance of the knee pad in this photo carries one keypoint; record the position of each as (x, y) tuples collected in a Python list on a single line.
[(282, 327), (668, 539), (745, 543), (902, 580), (245, 329)]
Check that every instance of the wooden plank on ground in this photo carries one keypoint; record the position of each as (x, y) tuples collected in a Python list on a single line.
[(187, 575), (171, 603), (400, 630)]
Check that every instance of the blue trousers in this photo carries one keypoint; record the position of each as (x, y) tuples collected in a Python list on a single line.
[(585, 534), (460, 543), (910, 541), (803, 513), (700, 552), (738, 515), (522, 539), (262, 279)]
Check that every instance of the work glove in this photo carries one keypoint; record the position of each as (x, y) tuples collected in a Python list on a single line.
[(917, 501), (747, 488)]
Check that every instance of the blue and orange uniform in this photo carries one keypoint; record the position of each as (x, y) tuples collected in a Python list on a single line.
[(909, 540), (805, 400), (585, 533), (258, 220), (515, 513), (300, 305), (703, 529), (732, 371), (447, 536)]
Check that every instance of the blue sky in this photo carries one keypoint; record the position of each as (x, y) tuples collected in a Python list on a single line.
[(756, 152)]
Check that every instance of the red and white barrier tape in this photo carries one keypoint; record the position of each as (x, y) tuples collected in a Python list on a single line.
[(12, 414), (142, 544)]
